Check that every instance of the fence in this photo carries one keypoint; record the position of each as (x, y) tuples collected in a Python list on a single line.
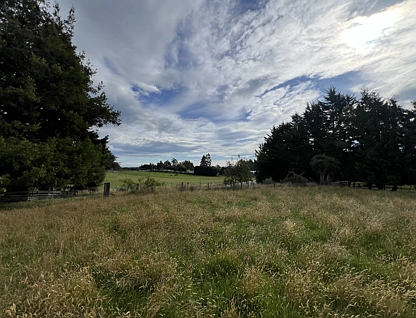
[(32, 195), (184, 186), (189, 186)]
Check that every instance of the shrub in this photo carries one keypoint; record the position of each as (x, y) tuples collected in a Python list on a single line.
[(140, 184), (205, 171), (295, 179), (268, 181)]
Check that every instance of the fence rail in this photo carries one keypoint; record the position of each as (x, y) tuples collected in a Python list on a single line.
[(36, 195)]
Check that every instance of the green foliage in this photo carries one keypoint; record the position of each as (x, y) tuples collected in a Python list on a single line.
[(189, 166), (141, 184), (370, 139), (295, 179), (49, 102), (268, 181), (237, 173), (205, 171), (325, 166), (180, 167), (206, 161), (167, 165)]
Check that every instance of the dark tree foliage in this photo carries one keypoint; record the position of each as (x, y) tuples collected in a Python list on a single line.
[(205, 171), (188, 165), (206, 160), (325, 166), (160, 165), (252, 164), (370, 139), (174, 162), (167, 165), (49, 106)]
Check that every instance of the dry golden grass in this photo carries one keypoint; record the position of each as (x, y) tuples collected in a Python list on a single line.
[(269, 252)]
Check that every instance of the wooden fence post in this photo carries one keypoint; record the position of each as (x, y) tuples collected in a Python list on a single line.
[(106, 189)]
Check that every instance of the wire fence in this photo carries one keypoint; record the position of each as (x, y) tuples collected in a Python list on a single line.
[(51, 194)]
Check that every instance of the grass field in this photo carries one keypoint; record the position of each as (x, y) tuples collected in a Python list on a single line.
[(263, 252), (168, 178)]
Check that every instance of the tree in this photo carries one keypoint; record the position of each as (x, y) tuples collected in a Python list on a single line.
[(237, 173), (181, 168), (167, 165), (160, 165), (328, 127), (384, 140), (174, 162), (252, 164), (325, 166), (286, 148), (372, 139), (112, 163), (189, 166), (206, 161), (50, 109)]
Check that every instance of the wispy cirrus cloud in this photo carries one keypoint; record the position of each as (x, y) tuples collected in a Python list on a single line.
[(192, 77)]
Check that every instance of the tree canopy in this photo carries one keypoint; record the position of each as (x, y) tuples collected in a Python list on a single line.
[(50, 108), (238, 172), (370, 139), (206, 160)]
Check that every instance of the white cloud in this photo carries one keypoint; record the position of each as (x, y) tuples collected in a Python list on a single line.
[(233, 71)]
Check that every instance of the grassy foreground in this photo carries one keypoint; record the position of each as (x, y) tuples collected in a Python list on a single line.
[(269, 252)]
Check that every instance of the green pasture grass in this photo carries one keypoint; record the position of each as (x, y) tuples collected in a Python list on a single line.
[(168, 178), (262, 252)]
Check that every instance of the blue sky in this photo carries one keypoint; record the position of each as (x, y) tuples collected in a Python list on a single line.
[(192, 77)]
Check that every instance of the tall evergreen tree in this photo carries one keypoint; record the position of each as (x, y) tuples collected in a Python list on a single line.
[(206, 161), (48, 101), (373, 139), (381, 138)]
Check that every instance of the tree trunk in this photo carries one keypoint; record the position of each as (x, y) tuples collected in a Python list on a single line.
[(394, 188), (322, 178), (328, 179), (380, 186)]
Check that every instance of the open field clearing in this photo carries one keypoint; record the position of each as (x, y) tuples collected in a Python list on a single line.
[(263, 252), (168, 178)]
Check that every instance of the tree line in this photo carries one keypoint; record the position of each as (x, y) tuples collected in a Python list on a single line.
[(205, 166), (368, 139), (234, 172)]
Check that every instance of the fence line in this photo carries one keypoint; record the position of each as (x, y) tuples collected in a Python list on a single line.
[(18, 196), (183, 186)]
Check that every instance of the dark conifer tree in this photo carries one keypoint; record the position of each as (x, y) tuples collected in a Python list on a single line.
[(49, 106), (372, 138)]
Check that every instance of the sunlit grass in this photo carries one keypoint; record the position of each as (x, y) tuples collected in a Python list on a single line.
[(170, 179), (263, 252)]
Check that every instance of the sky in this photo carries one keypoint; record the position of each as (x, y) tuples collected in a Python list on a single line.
[(192, 77)]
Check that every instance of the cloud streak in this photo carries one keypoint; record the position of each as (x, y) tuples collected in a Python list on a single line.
[(192, 77)]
